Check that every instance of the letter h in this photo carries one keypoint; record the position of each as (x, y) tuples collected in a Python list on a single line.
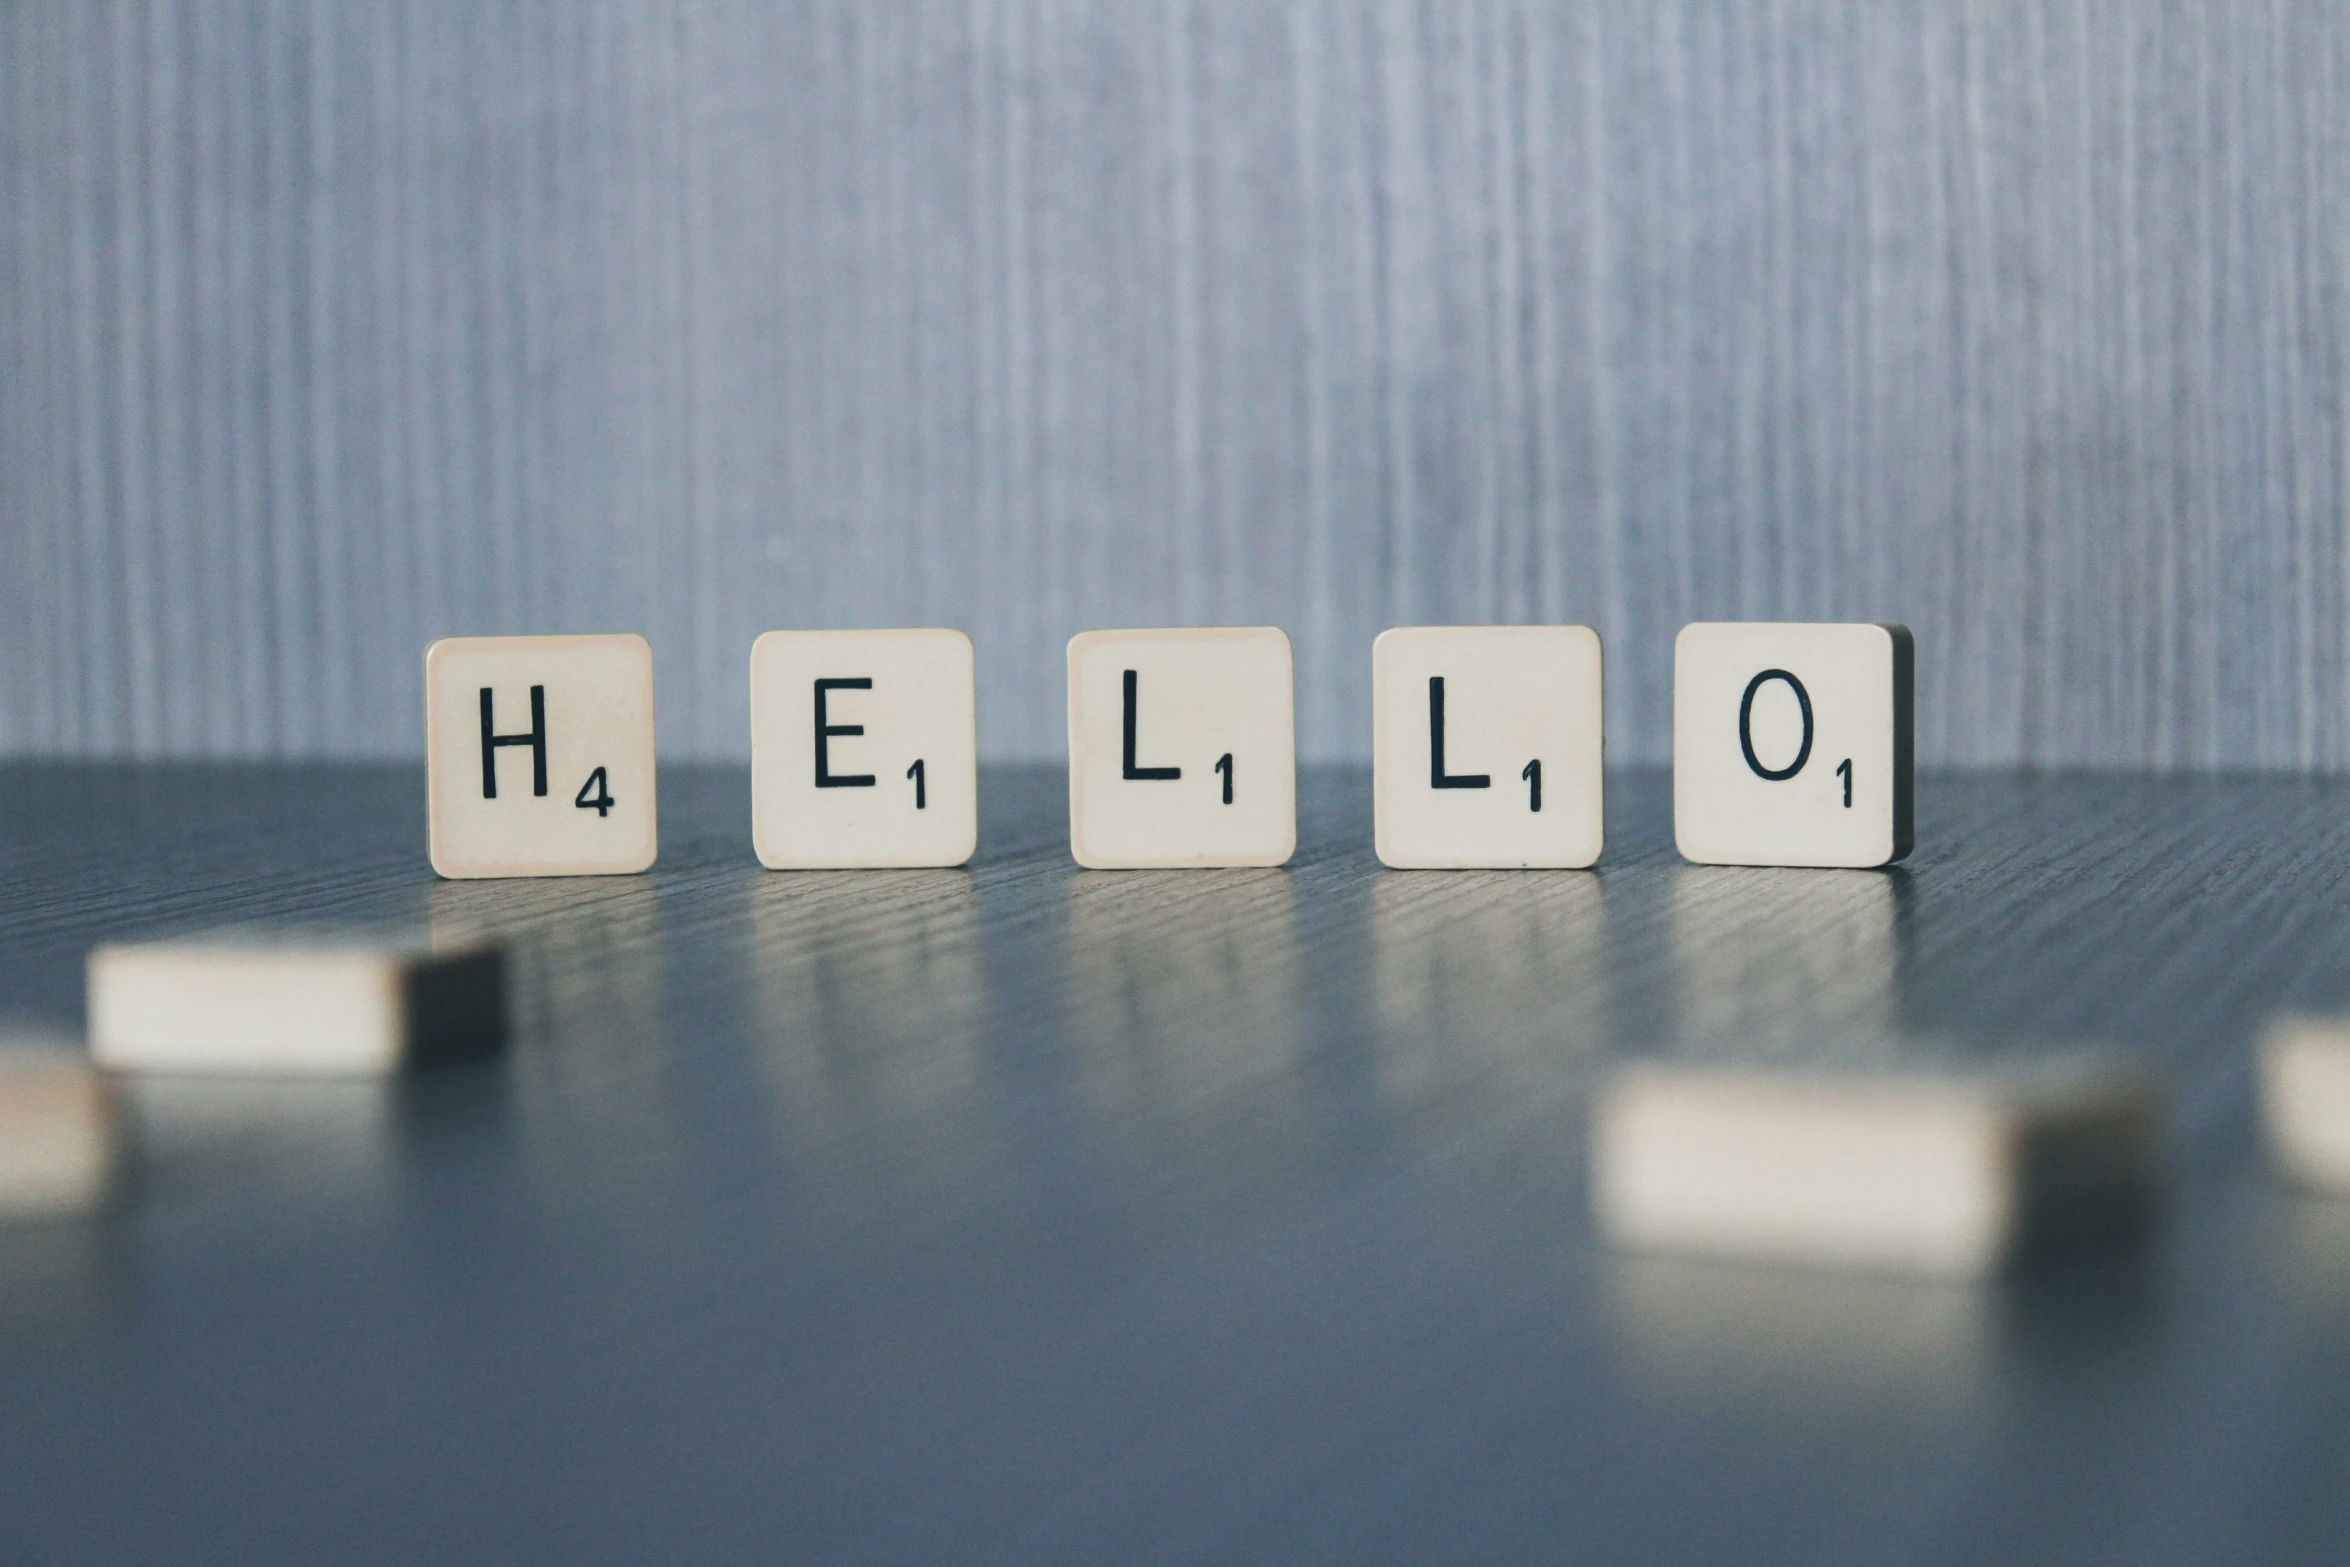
[(536, 740)]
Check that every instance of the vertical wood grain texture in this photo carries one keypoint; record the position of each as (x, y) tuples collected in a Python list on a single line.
[(327, 329)]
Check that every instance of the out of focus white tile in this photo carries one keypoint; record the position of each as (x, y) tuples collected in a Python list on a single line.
[(258, 1002), (60, 1132), (1884, 1171), (2305, 1099)]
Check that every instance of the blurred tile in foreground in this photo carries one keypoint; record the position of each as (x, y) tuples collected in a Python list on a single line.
[(1895, 1172), (60, 1134), (301, 1003), (2305, 1099)]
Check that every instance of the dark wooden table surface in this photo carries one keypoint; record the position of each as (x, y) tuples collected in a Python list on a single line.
[(1024, 1213)]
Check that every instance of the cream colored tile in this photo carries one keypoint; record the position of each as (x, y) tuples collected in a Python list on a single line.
[(1889, 1173), (1487, 746), (1791, 744), (1182, 748), (864, 749), (61, 1135), (259, 1002), (2305, 1099), (560, 788)]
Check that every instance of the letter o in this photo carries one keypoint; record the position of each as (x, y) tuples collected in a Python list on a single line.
[(1746, 726)]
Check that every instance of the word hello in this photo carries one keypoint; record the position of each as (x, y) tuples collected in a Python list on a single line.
[(1791, 746)]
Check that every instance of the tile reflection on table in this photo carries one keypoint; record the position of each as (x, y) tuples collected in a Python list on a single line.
[(64, 1283), (589, 1058), (1784, 959), (293, 1142), (869, 999), (2308, 1237), (1185, 1000), (584, 953), (1727, 1334), (1492, 979)]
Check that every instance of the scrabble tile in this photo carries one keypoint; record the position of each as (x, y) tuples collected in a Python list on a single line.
[(1182, 748), (60, 1133), (1791, 744), (1486, 746), (864, 749), (264, 1002), (2305, 1099), (540, 751), (1874, 1171)]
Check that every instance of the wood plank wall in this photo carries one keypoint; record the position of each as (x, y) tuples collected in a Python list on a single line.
[(329, 328)]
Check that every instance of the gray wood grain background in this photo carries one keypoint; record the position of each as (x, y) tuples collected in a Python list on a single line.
[(327, 329)]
